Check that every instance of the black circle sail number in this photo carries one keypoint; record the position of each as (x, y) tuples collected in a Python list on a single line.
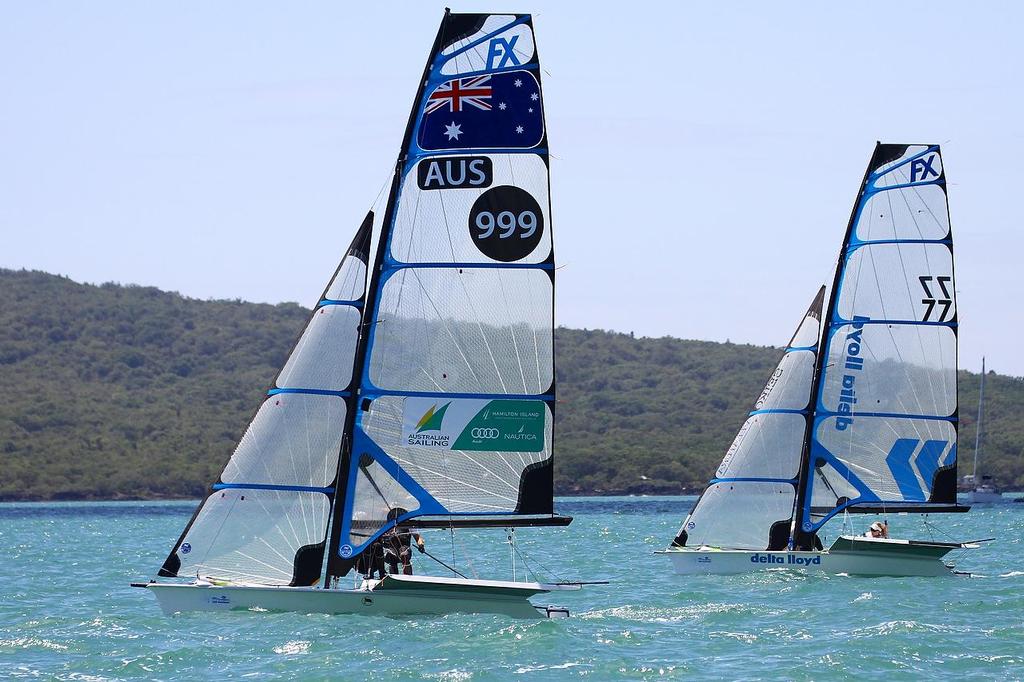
[(506, 223)]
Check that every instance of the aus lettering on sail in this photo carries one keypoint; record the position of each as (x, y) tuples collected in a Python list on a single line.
[(853, 365), (455, 172)]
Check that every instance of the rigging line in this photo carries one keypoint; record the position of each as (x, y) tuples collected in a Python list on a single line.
[(504, 294), (447, 227), (453, 570), (444, 323), (483, 335), (899, 251)]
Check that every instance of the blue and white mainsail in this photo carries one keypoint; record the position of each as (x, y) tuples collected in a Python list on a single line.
[(454, 420), (749, 504), (422, 389), (885, 418)]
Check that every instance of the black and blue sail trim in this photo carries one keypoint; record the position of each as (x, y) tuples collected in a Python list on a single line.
[(885, 418)]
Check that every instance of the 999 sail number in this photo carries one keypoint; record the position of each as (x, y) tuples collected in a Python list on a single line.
[(506, 223)]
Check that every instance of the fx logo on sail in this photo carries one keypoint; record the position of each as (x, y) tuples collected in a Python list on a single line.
[(501, 52), (923, 168)]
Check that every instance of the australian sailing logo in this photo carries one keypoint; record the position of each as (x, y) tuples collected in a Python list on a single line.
[(853, 364), (428, 429)]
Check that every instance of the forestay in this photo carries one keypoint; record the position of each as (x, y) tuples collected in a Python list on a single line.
[(886, 407), (749, 503)]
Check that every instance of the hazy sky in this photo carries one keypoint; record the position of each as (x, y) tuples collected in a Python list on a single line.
[(706, 155)]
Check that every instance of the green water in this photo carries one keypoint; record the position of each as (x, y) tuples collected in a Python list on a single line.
[(66, 611)]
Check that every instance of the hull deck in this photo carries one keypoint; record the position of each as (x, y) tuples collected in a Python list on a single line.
[(392, 596), (848, 555)]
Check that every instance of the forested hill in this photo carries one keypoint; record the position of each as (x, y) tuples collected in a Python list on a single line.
[(131, 392)]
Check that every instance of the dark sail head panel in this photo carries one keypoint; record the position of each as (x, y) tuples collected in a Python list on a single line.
[(886, 409)]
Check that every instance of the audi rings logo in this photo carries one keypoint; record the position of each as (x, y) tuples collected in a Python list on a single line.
[(484, 433)]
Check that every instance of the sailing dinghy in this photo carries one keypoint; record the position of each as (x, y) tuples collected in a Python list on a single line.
[(860, 416), (421, 392)]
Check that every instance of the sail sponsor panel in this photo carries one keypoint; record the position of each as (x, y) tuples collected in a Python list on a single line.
[(902, 281), (913, 213), (474, 425), (472, 216), (252, 535), (767, 446), (497, 42), (486, 111), (719, 521), (464, 330), (887, 458), (322, 358), (294, 439), (469, 480), (892, 368)]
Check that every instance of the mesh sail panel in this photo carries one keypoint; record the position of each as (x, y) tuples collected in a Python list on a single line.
[(750, 502), (767, 446), (322, 358), (448, 330), (719, 521), (252, 535), (454, 401), (885, 420), (294, 439)]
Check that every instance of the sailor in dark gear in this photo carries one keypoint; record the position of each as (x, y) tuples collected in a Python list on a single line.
[(398, 545)]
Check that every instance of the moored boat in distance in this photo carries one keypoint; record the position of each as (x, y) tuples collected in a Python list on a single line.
[(421, 392), (983, 491), (860, 416)]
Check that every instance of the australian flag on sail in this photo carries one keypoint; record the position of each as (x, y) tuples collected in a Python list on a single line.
[(487, 111)]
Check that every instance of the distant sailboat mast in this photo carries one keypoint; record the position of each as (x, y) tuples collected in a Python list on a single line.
[(977, 432)]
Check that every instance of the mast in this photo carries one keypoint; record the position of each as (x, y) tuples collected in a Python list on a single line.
[(336, 566), (977, 432), (802, 538)]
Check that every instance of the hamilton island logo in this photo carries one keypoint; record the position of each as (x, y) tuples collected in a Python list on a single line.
[(186, 548), (428, 428)]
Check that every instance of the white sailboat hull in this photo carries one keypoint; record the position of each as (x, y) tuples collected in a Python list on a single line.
[(393, 596), (848, 555), (982, 496)]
